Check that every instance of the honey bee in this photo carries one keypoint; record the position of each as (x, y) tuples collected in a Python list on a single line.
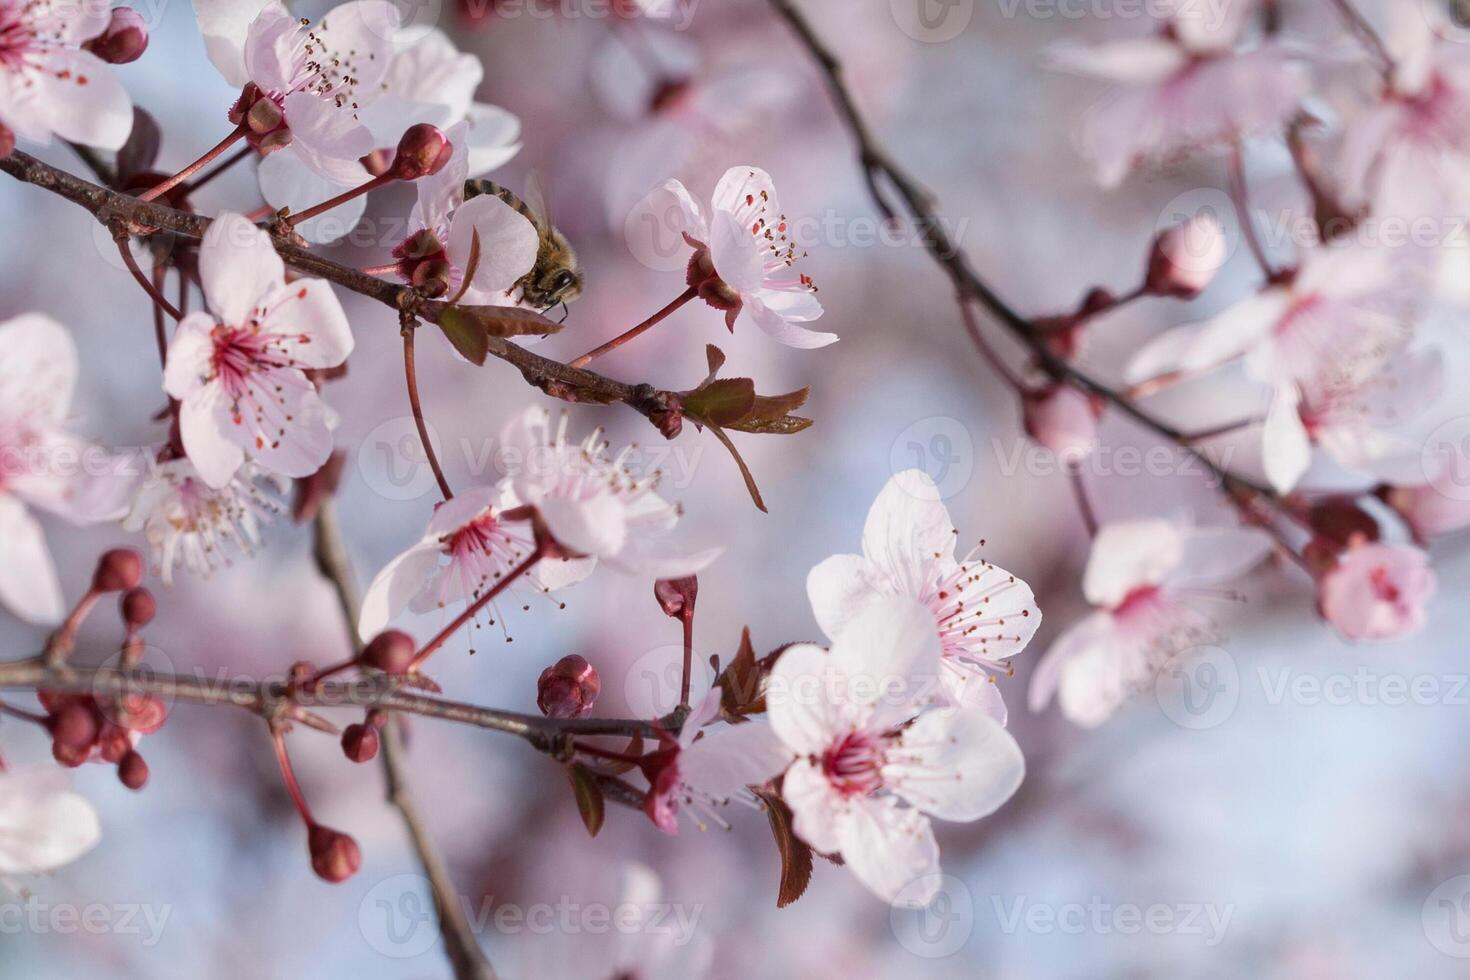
[(556, 277)]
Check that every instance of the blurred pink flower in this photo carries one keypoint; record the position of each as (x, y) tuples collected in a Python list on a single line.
[(1377, 591), (240, 374), (1181, 90), (743, 255), (42, 465), (870, 766), (48, 85), (984, 615), (43, 824), (1140, 576)]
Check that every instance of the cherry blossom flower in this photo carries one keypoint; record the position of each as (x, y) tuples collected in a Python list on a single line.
[(43, 824), (1427, 509), (467, 548), (869, 768), (49, 85), (1142, 577), (303, 88), (984, 615), (240, 374), (443, 228), (42, 465), (1406, 153), (589, 504), (743, 255), (187, 521), (1353, 423), (1180, 90), (702, 771), (1377, 591)]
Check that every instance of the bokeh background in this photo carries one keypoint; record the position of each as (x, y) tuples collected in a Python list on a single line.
[(1276, 834)]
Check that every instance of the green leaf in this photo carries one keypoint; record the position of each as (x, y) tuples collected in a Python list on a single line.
[(724, 401), (786, 426), (589, 796), (467, 327), (770, 407), (796, 855)]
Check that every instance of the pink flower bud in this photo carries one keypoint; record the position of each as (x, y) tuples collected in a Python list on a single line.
[(124, 40), (1062, 419), (422, 152), (75, 727), (568, 688), (118, 570), (1186, 258), (335, 857), (391, 651), (1427, 511), (133, 771), (360, 743), (1376, 591), (138, 607), (676, 595)]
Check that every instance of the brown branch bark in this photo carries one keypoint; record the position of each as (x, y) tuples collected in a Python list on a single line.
[(110, 206)]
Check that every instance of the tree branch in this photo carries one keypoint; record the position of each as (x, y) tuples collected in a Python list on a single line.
[(878, 167), (554, 377)]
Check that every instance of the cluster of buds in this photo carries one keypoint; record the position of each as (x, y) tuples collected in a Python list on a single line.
[(88, 728), (262, 118), (124, 40)]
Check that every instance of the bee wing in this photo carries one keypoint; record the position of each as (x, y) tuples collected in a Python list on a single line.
[(538, 200)]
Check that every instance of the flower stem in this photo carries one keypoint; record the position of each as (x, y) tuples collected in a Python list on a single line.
[(1241, 196), (628, 335), (120, 235), (536, 555), (160, 189), (411, 374), (160, 329), (1084, 504), (688, 620), (972, 326), (340, 199), (288, 775)]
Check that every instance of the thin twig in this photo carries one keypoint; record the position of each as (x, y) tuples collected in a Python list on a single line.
[(410, 371)]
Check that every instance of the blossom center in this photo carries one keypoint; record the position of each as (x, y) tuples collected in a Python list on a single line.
[(854, 764), (1136, 601), (1385, 589)]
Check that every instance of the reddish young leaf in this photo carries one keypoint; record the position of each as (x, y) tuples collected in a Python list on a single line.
[(796, 855), (589, 796)]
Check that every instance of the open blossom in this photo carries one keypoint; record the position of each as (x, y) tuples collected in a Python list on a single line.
[(468, 547), (1353, 423), (744, 257), (42, 465), (49, 85), (701, 771), (590, 504), (982, 615), (1406, 153), (1183, 89), (1377, 591), (870, 766), (43, 824), (240, 373), (187, 521), (1142, 576), (444, 227)]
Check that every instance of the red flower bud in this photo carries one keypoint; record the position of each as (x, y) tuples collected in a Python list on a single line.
[(422, 152), (568, 688), (138, 607), (118, 570), (75, 727), (335, 857), (391, 651), (676, 595), (360, 743), (124, 40), (1342, 522), (133, 771), (115, 744)]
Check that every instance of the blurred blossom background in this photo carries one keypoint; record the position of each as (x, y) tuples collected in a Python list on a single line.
[(1278, 833)]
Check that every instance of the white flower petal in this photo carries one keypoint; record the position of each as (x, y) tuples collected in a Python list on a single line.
[(238, 266), (959, 765), (1128, 555), (28, 584)]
